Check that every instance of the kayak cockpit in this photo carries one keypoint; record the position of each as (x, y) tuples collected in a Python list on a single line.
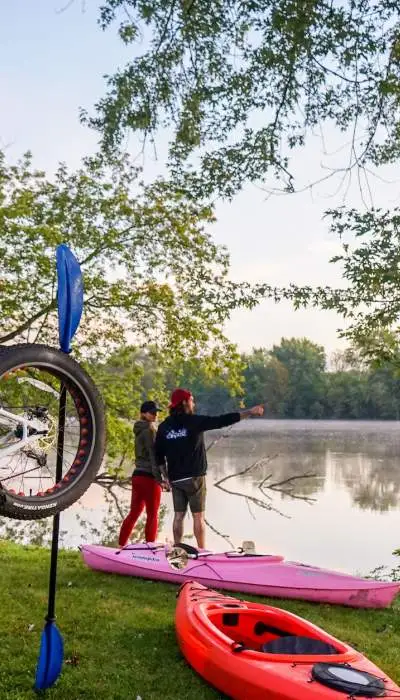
[(271, 631)]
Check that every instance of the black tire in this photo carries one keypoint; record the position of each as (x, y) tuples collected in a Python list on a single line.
[(35, 507)]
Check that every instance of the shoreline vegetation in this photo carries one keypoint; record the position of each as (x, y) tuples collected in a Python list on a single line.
[(119, 632)]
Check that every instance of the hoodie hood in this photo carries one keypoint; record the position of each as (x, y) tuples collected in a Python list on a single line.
[(142, 425)]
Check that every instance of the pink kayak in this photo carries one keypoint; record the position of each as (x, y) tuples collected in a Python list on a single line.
[(265, 575)]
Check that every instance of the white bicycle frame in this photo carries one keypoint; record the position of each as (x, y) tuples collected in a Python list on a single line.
[(25, 440)]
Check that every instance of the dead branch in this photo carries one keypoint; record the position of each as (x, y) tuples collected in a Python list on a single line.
[(250, 511), (116, 501), (258, 463), (262, 486), (250, 499), (218, 438), (220, 534), (290, 480)]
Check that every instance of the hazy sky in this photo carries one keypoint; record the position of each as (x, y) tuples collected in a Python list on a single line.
[(52, 63)]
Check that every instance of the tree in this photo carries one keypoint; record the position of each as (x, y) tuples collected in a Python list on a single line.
[(213, 392), (370, 299), (151, 270), (239, 85), (305, 364), (265, 380), (346, 395)]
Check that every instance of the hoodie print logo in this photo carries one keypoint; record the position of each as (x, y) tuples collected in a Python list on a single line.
[(175, 434)]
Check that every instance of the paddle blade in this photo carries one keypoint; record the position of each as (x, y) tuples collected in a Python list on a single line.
[(51, 657), (69, 295)]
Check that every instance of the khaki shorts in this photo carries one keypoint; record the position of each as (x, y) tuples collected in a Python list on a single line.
[(189, 492)]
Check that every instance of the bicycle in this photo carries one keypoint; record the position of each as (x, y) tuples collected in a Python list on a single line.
[(32, 379)]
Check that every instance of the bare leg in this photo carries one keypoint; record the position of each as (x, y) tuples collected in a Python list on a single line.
[(199, 529), (177, 527)]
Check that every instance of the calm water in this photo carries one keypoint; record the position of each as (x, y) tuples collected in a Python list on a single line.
[(354, 523)]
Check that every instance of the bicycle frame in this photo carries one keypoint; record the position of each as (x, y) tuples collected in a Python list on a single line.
[(26, 439)]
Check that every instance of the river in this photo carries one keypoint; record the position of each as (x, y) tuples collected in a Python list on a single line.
[(354, 523)]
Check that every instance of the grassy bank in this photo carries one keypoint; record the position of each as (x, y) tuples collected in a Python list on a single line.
[(119, 633)]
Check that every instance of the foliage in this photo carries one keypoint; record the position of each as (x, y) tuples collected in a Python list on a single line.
[(239, 85), (385, 573), (107, 533), (213, 392), (305, 364), (370, 300), (266, 380), (131, 375), (39, 532), (151, 269), (151, 272), (34, 532)]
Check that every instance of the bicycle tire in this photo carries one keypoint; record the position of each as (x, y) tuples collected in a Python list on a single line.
[(84, 468)]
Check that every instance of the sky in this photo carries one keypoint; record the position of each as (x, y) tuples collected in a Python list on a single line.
[(53, 57)]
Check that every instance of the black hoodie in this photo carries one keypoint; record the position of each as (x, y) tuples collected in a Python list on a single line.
[(180, 442)]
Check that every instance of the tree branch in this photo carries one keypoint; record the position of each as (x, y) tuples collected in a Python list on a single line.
[(261, 486), (24, 326), (217, 532), (218, 438)]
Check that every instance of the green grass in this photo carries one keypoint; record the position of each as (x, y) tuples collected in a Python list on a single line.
[(121, 632)]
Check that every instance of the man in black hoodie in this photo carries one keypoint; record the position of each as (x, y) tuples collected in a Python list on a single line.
[(146, 477), (181, 456)]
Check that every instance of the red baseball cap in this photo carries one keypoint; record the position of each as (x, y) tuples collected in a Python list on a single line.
[(179, 396)]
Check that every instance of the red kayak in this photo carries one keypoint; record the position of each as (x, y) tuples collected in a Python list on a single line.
[(251, 651)]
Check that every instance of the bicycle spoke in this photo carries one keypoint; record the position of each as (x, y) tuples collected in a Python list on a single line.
[(28, 448)]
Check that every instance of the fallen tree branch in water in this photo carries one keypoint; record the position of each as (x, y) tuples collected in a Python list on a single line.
[(250, 511), (290, 480), (263, 485), (258, 463), (250, 499), (218, 438), (217, 532)]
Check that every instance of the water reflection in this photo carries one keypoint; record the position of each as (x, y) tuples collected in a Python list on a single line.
[(356, 485), (359, 457)]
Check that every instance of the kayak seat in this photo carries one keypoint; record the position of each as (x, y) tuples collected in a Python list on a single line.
[(298, 645)]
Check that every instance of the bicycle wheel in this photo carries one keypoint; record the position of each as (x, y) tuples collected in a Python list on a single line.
[(31, 379)]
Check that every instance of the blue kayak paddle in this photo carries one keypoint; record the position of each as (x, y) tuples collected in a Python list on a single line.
[(69, 296), (70, 306)]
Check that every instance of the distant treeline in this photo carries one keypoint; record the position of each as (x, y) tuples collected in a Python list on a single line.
[(293, 381)]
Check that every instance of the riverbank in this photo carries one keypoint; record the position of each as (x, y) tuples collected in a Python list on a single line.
[(119, 632)]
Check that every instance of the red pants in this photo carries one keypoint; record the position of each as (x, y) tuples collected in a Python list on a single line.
[(146, 493)]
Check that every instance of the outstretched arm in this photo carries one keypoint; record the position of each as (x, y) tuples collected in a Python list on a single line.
[(215, 422), (254, 411)]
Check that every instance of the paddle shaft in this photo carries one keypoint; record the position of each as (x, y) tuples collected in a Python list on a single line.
[(56, 520)]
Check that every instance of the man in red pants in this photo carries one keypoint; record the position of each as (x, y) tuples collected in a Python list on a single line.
[(146, 478)]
